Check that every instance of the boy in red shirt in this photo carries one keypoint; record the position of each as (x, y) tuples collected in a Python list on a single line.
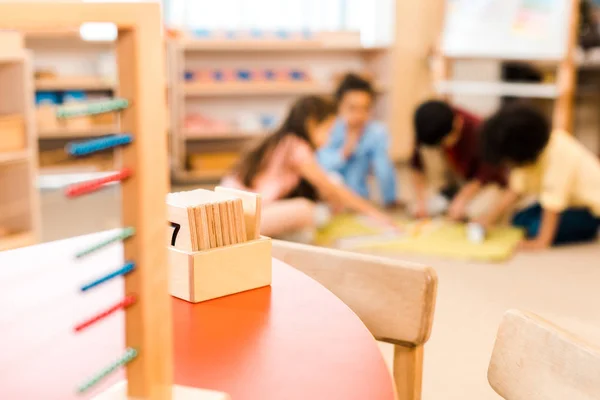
[(455, 131)]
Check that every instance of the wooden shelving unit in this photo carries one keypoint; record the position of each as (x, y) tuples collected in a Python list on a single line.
[(19, 197), (78, 67), (235, 101)]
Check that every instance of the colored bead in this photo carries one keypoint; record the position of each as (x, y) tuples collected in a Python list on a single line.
[(129, 355), (93, 185), (122, 235), (120, 272), (96, 145), (126, 302), (100, 107)]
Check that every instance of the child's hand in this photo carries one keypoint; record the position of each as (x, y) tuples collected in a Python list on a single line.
[(456, 212), (532, 245), (387, 222), (421, 210)]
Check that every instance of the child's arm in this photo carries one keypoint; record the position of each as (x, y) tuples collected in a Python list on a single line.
[(508, 199), (338, 193), (333, 157), (459, 203), (546, 233), (381, 164), (420, 186)]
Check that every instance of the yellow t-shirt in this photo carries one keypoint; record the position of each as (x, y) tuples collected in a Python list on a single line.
[(565, 175)]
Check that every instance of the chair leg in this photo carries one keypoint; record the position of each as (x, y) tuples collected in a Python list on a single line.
[(408, 371)]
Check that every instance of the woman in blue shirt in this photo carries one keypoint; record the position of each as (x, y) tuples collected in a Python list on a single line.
[(358, 145)]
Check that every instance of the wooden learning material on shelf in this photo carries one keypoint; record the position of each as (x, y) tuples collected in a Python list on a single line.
[(502, 30), (215, 248), (147, 305)]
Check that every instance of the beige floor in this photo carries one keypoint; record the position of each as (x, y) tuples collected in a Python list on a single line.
[(562, 284)]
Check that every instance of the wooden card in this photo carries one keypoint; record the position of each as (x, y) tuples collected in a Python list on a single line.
[(233, 238), (181, 223), (201, 227), (217, 224), (224, 213), (210, 223), (240, 221), (252, 204)]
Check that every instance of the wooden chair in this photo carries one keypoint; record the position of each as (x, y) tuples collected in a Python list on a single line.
[(535, 360), (394, 299)]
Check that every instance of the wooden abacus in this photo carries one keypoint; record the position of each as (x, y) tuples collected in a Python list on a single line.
[(139, 48)]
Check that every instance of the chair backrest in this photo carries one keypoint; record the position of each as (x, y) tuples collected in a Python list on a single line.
[(535, 360), (394, 299)]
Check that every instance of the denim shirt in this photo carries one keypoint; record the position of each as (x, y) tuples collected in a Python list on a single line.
[(370, 156)]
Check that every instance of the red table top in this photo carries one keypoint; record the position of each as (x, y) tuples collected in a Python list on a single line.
[(293, 340)]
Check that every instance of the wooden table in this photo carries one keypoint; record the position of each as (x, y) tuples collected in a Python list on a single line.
[(293, 340)]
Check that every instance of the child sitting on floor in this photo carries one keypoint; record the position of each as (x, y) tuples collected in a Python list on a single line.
[(455, 131), (284, 171), (358, 144), (551, 165)]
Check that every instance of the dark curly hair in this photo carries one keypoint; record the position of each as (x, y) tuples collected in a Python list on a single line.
[(517, 134), (353, 82), (433, 121)]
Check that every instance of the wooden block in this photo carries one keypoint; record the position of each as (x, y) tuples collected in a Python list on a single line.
[(252, 205), (205, 275), (119, 392)]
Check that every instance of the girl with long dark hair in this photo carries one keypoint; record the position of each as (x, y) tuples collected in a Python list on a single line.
[(283, 169)]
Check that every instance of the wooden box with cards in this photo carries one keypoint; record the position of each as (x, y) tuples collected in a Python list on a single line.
[(215, 247)]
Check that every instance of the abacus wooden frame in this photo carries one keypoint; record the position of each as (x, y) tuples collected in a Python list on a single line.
[(139, 49)]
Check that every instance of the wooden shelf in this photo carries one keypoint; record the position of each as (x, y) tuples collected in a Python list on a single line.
[(61, 38), (289, 46), (208, 175), (75, 83), (14, 241), (14, 156), (532, 90), (260, 89), (66, 133), (234, 135), (253, 88)]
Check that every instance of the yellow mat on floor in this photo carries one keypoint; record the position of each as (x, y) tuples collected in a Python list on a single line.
[(436, 237), (343, 226)]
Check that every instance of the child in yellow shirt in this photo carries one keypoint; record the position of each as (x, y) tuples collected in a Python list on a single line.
[(551, 165)]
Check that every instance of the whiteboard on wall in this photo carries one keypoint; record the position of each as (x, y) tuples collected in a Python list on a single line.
[(506, 29)]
